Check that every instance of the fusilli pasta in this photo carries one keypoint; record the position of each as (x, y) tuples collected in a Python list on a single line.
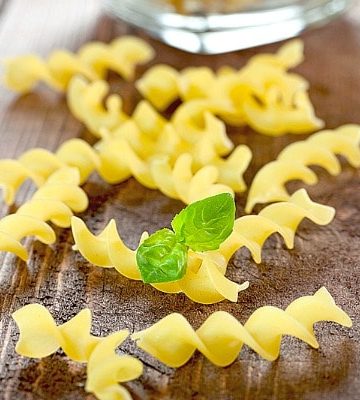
[(146, 159), (263, 94), (38, 164), (146, 137), (40, 337), (294, 161), (205, 280), (221, 337), (93, 60), (54, 201)]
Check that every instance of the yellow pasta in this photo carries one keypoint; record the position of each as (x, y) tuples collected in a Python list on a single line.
[(38, 164), (284, 217), (145, 158), (104, 117), (179, 182), (263, 94), (175, 179), (146, 137), (54, 201), (40, 337), (221, 337), (92, 61), (205, 280), (293, 163), (90, 104)]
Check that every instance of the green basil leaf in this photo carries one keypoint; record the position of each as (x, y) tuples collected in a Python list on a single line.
[(161, 258), (205, 224)]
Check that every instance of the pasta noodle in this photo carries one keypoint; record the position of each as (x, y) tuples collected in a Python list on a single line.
[(177, 179), (263, 94), (221, 337), (54, 201), (104, 117), (284, 217), (184, 177), (40, 337), (38, 164), (205, 281), (146, 137), (294, 161), (93, 60)]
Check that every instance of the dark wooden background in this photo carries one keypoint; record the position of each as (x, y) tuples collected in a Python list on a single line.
[(60, 279)]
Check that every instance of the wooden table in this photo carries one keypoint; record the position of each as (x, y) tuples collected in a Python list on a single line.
[(60, 279)]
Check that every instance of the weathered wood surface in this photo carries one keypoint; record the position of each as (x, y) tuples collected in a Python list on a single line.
[(60, 279)]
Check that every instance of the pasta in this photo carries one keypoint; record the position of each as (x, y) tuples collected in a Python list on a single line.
[(54, 201), (40, 337), (221, 337), (205, 281), (152, 162), (294, 161), (263, 94), (177, 179), (146, 137), (104, 117), (284, 217), (38, 164), (92, 61)]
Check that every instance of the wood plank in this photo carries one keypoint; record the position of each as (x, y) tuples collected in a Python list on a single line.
[(63, 281)]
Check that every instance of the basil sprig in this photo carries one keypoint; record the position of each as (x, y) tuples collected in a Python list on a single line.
[(201, 226)]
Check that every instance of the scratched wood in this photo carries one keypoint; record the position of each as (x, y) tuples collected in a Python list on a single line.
[(61, 280)]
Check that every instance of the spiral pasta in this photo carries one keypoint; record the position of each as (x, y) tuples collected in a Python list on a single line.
[(284, 217), (221, 337), (146, 137), (104, 117), (205, 281), (38, 164), (263, 94), (294, 161), (40, 337), (54, 201), (154, 163), (92, 61)]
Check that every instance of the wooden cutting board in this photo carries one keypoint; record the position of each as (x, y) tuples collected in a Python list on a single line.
[(60, 279)]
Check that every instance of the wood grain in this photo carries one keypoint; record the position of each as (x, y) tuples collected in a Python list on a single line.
[(60, 279)]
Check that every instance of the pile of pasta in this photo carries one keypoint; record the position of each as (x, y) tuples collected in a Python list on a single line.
[(154, 150), (188, 157), (263, 94), (172, 340)]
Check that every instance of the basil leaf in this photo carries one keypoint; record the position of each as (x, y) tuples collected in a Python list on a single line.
[(205, 224), (161, 258)]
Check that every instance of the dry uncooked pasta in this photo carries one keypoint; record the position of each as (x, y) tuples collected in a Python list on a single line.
[(221, 337), (205, 281), (146, 137), (55, 201), (148, 162), (93, 60), (293, 163), (263, 94), (38, 164), (102, 114), (40, 337)]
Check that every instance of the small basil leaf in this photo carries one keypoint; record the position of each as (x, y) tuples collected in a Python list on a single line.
[(161, 258), (205, 224)]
